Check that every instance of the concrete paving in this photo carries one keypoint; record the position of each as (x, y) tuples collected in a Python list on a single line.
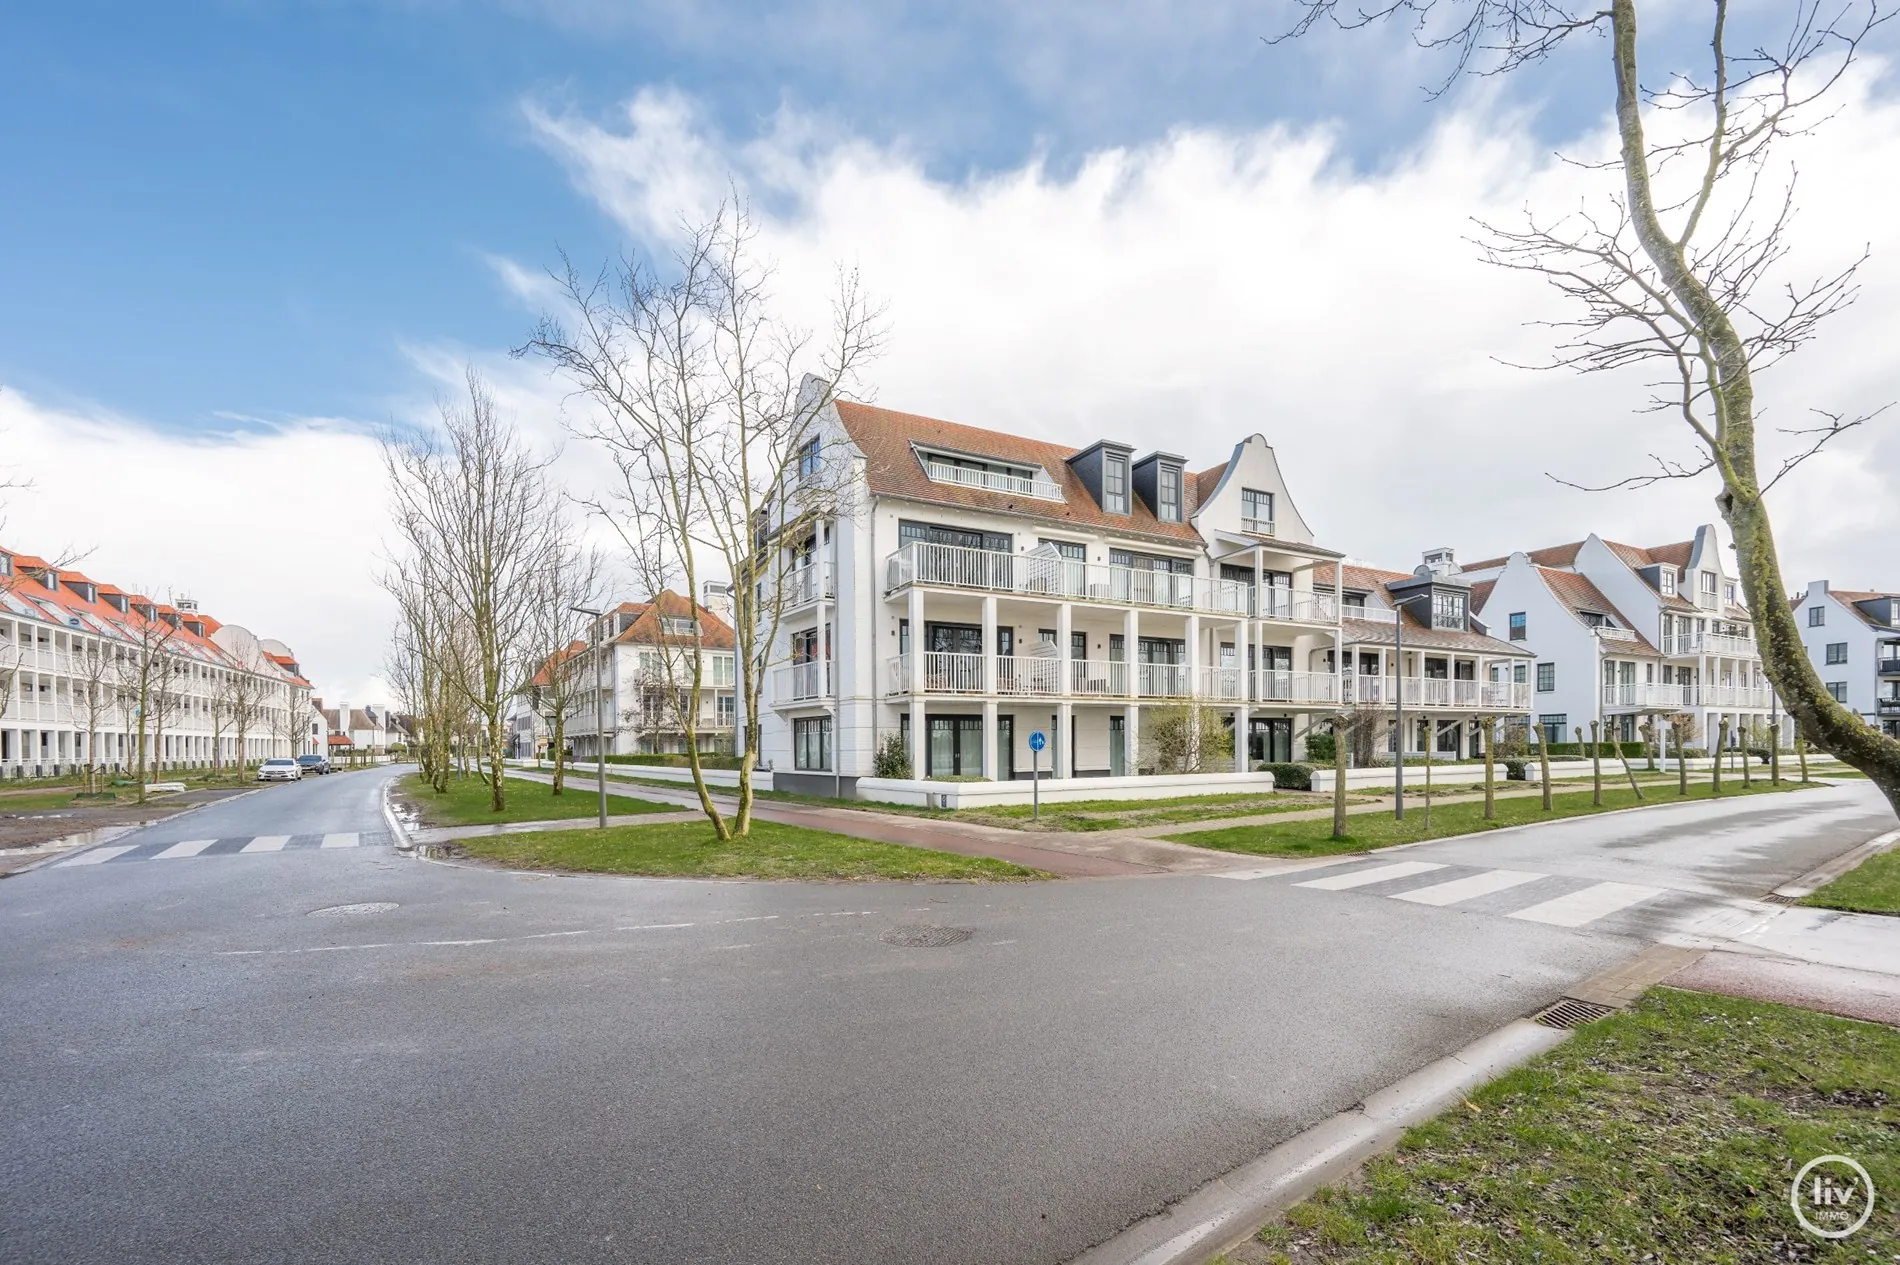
[(338, 1054)]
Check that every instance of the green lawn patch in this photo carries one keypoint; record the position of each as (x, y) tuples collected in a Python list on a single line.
[(1872, 887), (44, 801), (771, 850), (1377, 829), (465, 802), (1671, 1132)]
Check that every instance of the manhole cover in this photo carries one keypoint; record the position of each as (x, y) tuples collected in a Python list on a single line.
[(926, 937), (362, 907)]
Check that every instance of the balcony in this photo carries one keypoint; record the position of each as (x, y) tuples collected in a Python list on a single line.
[(1258, 526), (1889, 706), (952, 674), (1437, 693), (1887, 665), (801, 683), (1042, 489), (1695, 645), (807, 584), (1043, 575), (1649, 696), (1623, 636)]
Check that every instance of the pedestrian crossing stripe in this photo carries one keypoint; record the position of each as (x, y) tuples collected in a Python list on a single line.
[(1591, 903), (185, 849), (1579, 908)]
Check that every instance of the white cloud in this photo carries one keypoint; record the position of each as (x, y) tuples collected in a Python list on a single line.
[(1184, 294), (277, 528)]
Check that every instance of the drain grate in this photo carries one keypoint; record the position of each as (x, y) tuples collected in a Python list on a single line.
[(924, 936), (361, 907), (1571, 1013), (1776, 898)]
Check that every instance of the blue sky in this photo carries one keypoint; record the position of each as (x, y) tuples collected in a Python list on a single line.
[(250, 209)]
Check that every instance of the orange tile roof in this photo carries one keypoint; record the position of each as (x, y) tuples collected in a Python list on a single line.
[(715, 633), (892, 469), (1577, 593)]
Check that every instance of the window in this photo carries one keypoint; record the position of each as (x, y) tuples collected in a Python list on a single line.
[(1553, 726), (1115, 483), (1728, 593), (1448, 609), (1072, 550), (1520, 673), (805, 646), (811, 743), (1837, 652), (1546, 678), (676, 626), (1149, 562), (909, 532), (1517, 626), (1817, 616), (1666, 581), (1169, 485), (1708, 583), (1356, 602), (1838, 689), (728, 710), (808, 459)]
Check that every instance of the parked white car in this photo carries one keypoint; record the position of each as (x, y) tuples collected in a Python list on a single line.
[(280, 770)]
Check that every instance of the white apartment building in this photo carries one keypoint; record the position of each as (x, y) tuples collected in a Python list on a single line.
[(1853, 640), (977, 587), (647, 654), (1621, 633), (68, 693)]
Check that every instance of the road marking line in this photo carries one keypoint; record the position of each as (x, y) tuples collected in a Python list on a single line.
[(1467, 888), (1378, 874), (98, 855), (345, 840), (189, 848), (1587, 905), (266, 843), (657, 926)]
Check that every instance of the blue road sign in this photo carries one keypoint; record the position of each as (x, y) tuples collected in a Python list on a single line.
[(1037, 741)]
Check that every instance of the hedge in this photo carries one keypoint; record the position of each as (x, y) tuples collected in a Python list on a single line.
[(1288, 777), (706, 761), (1581, 750)]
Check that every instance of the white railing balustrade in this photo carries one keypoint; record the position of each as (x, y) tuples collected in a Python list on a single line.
[(993, 481), (1223, 685), (1028, 674), (1161, 680), (1720, 644), (1098, 678), (1606, 633), (1276, 685), (800, 682), (947, 672), (1417, 691), (1257, 526), (807, 584)]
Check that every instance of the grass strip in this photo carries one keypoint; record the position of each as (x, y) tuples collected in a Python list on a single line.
[(1372, 830), (1671, 1132), (771, 850), (1872, 887), (464, 802)]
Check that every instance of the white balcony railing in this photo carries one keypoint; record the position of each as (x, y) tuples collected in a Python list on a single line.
[(1098, 678), (807, 584), (1606, 633), (802, 682), (1649, 695), (1046, 575), (1028, 674), (1258, 526), (1721, 645), (1438, 692), (1162, 680), (993, 481), (1041, 676)]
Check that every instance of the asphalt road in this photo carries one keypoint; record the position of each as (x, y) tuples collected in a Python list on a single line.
[(515, 1068)]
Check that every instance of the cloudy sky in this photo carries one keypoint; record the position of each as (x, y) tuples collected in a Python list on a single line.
[(239, 239)]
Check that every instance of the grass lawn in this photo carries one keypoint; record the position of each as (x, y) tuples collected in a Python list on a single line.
[(1872, 887), (465, 802), (1670, 1133), (1377, 829), (687, 849)]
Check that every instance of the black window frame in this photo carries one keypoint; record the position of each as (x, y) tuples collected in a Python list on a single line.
[(1519, 625), (1817, 616), (1547, 678), (807, 730), (1168, 494), (1836, 653), (1115, 483), (916, 530)]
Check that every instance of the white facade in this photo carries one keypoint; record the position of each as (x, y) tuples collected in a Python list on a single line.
[(977, 588), (642, 661), (1621, 633), (1853, 640)]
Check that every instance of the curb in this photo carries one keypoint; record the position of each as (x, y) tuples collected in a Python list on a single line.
[(398, 833), (1821, 876), (120, 832), (1226, 1211)]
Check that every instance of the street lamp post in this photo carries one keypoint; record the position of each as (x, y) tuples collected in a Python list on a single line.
[(1398, 724), (600, 728)]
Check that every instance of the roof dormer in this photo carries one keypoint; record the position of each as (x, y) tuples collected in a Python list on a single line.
[(1160, 479), (1436, 601), (1104, 469)]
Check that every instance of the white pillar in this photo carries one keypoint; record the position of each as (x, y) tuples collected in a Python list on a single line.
[(1131, 638), (1065, 627), (1131, 738), (1065, 742), (916, 642), (1193, 654), (991, 768), (919, 740), (1241, 763), (990, 651)]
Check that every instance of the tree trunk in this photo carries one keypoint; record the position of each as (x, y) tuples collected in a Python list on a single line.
[(1596, 763), (1628, 772), (1817, 714), (1682, 760), (1774, 753), (557, 738), (1490, 768), (1339, 779), (1715, 765), (1543, 762), (1801, 749)]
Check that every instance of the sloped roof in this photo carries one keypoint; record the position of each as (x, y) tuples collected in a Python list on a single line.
[(1576, 592), (715, 633), (892, 469), (1360, 578), (544, 676), (1850, 596), (1481, 593), (1206, 481), (1366, 632)]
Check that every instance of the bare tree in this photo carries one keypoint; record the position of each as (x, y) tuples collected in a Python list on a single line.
[(94, 697), (143, 671), (568, 580), (1684, 269), (245, 699), (476, 500), (709, 404), (286, 721)]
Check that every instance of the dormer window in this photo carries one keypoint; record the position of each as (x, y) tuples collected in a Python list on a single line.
[(1168, 507), (1256, 512), (1448, 609), (675, 626), (1666, 581), (990, 474), (1115, 483)]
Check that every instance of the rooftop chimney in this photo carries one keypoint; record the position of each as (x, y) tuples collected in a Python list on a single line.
[(1440, 561)]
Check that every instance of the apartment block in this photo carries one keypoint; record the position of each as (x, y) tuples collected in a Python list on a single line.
[(976, 587), (1853, 640), (72, 689), (643, 654), (1621, 633)]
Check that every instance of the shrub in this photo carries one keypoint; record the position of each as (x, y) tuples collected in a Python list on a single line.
[(1289, 777), (707, 760), (1185, 738), (1321, 748), (892, 758), (1514, 770)]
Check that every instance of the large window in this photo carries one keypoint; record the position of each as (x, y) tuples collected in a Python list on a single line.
[(1708, 585), (1546, 678), (1073, 550), (811, 743), (1256, 511), (1553, 726), (1517, 626), (1838, 689), (1520, 672), (808, 459), (1817, 616), (909, 532), (1837, 652), (1115, 483), (956, 746), (1666, 581), (1448, 609), (1168, 483)]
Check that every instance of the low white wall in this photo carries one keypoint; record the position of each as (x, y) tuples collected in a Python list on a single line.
[(727, 778), (890, 790)]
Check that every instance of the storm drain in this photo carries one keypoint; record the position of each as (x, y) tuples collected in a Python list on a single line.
[(923, 936), (362, 907), (1571, 1013), (1776, 898)]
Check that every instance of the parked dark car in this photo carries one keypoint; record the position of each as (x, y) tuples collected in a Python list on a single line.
[(313, 764)]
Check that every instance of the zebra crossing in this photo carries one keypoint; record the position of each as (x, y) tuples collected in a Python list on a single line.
[(1554, 900), (189, 849)]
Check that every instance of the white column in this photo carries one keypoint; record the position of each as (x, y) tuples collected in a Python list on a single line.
[(1065, 743), (991, 769), (916, 641), (1065, 626), (1193, 654), (990, 651), (1131, 637), (919, 740), (1241, 764), (1131, 738)]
